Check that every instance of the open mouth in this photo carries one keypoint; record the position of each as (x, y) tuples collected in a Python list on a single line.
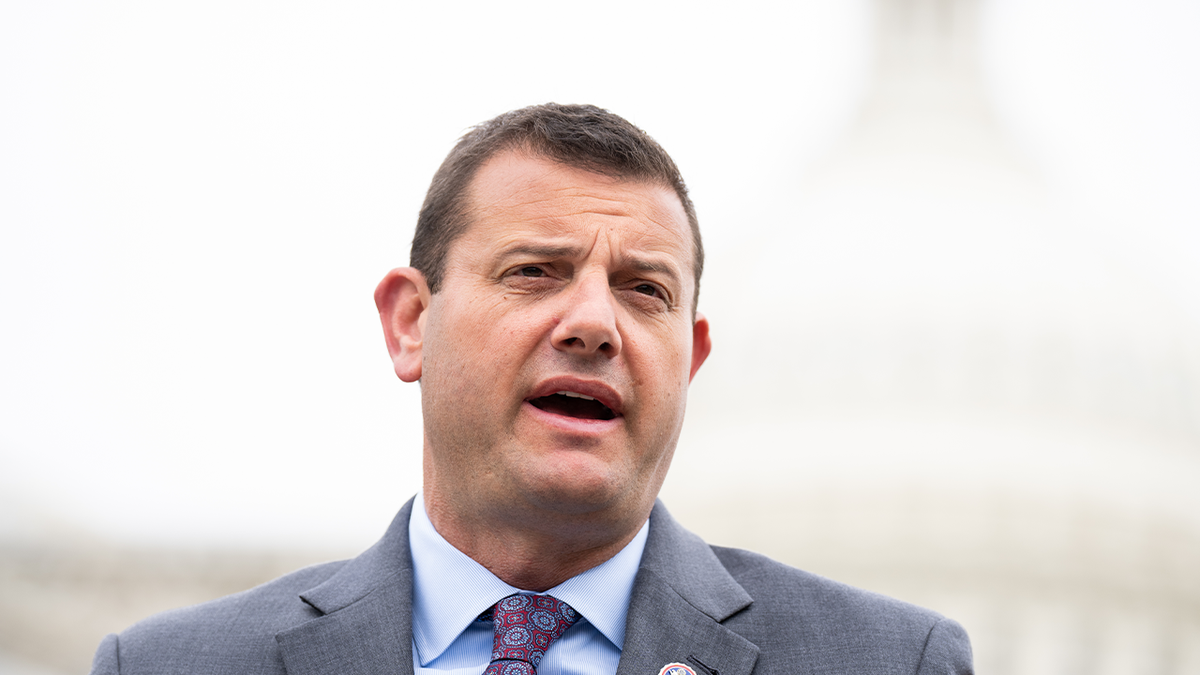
[(571, 404)]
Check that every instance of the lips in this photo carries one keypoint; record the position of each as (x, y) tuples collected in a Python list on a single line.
[(577, 399), (573, 404)]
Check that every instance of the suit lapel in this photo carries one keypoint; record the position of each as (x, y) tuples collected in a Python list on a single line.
[(366, 614), (681, 596)]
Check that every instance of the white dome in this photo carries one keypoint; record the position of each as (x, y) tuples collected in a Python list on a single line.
[(925, 380)]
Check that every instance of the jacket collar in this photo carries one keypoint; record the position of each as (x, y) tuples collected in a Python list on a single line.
[(365, 622), (680, 597)]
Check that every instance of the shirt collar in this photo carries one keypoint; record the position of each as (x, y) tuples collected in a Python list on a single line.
[(450, 589)]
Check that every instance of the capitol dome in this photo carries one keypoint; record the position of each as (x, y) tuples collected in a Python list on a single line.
[(928, 381)]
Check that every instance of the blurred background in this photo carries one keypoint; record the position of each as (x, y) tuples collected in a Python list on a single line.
[(953, 278)]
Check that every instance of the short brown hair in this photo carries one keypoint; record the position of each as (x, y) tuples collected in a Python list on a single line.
[(581, 136)]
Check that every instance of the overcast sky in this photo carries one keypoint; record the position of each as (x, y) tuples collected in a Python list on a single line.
[(198, 198)]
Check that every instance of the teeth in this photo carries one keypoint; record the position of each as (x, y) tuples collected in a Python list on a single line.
[(572, 394)]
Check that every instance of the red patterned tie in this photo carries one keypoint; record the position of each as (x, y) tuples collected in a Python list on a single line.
[(524, 626)]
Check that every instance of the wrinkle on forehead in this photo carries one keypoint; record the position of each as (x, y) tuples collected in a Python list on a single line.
[(526, 201), (603, 195)]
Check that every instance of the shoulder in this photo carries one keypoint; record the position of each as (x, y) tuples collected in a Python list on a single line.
[(799, 616), (777, 587), (234, 634)]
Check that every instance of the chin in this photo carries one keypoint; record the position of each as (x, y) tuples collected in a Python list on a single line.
[(579, 491)]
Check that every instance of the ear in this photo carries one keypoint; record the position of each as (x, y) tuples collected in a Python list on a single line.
[(701, 343), (402, 298)]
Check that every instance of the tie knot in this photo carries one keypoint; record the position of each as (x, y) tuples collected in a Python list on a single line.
[(523, 628)]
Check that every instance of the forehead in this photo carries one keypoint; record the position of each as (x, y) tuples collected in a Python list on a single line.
[(515, 195)]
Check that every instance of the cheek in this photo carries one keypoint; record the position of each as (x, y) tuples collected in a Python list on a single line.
[(485, 346), (666, 378), (452, 353), (680, 357)]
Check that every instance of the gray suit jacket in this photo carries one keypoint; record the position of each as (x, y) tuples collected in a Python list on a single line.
[(723, 611)]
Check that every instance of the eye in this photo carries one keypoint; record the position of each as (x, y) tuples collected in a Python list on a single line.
[(531, 271), (646, 289)]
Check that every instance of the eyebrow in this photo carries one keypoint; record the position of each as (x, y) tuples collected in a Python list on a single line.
[(550, 251), (543, 251), (643, 265)]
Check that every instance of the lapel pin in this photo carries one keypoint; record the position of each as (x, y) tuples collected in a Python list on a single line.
[(676, 669)]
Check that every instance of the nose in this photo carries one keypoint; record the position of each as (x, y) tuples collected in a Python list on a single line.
[(589, 322)]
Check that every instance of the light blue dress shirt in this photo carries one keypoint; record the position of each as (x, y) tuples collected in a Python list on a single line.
[(451, 590)]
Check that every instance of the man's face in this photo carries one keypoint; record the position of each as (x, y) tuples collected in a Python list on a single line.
[(556, 356)]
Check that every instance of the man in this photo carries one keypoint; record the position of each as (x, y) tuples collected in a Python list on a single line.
[(550, 317)]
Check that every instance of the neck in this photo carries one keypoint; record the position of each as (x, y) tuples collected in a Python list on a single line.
[(535, 553)]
